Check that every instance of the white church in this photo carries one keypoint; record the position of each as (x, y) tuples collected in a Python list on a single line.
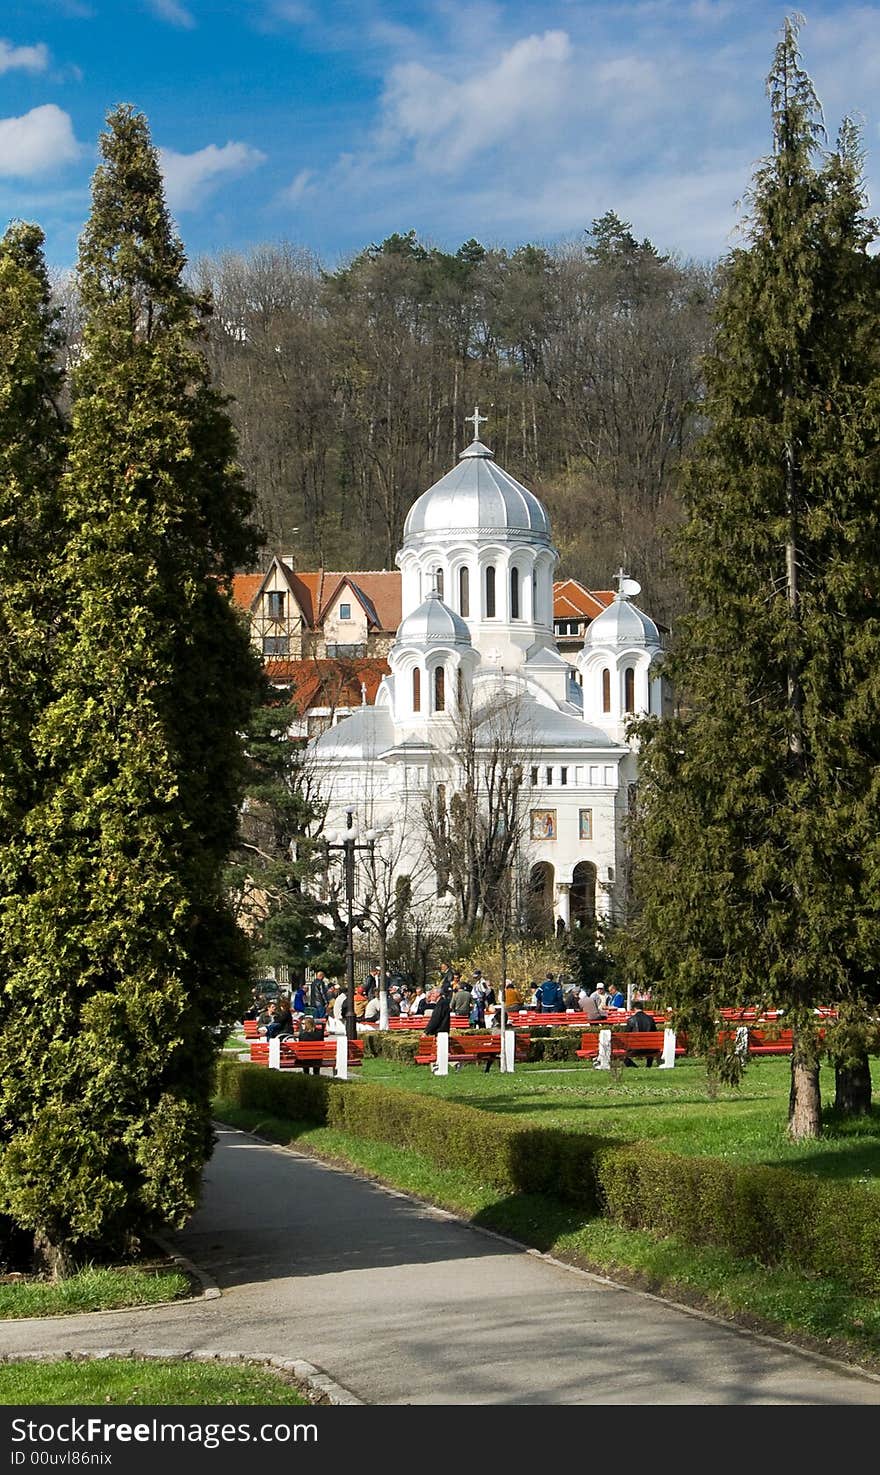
[(477, 567)]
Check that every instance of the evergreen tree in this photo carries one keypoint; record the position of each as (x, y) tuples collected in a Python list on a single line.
[(756, 855), (31, 452), (126, 937), (275, 856)]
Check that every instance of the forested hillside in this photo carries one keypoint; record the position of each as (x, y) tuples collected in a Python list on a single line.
[(349, 389)]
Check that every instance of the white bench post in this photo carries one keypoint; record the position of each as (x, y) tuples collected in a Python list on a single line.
[(342, 1057), (507, 1051), (603, 1059), (741, 1045), (441, 1067), (668, 1060), (275, 1054)]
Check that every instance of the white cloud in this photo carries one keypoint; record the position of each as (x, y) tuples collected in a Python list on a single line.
[(173, 12), (37, 142), (300, 186), (24, 58), (449, 121), (190, 177)]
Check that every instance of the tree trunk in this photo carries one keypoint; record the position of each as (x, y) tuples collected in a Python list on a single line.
[(804, 1102), (852, 1087), (52, 1258), (382, 960)]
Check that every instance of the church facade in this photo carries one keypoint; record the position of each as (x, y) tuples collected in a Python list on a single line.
[(476, 637)]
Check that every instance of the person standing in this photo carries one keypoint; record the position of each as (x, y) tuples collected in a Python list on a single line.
[(319, 993), (550, 995)]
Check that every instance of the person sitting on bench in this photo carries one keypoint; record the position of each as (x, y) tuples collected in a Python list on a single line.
[(640, 1023)]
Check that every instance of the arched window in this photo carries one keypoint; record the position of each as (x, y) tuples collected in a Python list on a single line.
[(629, 689), (417, 689), (438, 581), (464, 592), (514, 593), (459, 689), (606, 691), (490, 592), (439, 689)]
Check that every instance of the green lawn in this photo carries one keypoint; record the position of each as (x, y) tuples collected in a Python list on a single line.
[(674, 1108), (134, 1380), (95, 1288)]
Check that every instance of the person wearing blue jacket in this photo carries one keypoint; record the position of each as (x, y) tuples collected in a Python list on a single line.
[(550, 996)]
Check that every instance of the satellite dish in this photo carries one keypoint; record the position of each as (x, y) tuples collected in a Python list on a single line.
[(629, 588)]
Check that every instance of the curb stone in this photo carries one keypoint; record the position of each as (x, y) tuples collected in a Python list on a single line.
[(210, 1290), (306, 1372)]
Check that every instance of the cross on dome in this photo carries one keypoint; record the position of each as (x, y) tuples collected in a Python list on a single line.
[(478, 420)]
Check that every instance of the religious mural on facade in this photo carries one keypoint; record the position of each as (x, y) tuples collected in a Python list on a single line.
[(543, 825)]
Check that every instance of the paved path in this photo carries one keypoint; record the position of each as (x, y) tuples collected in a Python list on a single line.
[(402, 1304)]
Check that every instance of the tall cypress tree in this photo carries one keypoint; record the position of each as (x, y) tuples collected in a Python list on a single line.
[(31, 452), (756, 855), (126, 930)]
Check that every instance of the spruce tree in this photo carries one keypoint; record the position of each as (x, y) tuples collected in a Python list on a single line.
[(126, 937), (276, 857), (756, 855)]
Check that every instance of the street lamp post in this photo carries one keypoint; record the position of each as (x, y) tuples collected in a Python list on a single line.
[(346, 841)]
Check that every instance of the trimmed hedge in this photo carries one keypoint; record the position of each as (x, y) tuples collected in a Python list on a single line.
[(513, 1158), (400, 1045), (773, 1215)]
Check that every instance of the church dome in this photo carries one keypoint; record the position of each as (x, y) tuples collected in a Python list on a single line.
[(478, 497), (621, 623), (433, 623)]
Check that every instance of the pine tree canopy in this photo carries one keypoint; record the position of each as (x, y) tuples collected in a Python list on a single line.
[(757, 858), (125, 955)]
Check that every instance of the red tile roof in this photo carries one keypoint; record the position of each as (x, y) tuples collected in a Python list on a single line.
[(329, 683), (571, 598)]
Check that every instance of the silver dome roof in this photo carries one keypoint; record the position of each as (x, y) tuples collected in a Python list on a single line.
[(433, 623), (621, 623), (477, 496)]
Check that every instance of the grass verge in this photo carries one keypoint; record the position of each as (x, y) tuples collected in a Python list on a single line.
[(142, 1380), (95, 1288), (818, 1313)]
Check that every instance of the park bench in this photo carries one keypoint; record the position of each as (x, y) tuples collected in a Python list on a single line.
[(555, 1019), (623, 1041), (468, 1048), (251, 1029), (303, 1054), (763, 1042), (418, 1021)]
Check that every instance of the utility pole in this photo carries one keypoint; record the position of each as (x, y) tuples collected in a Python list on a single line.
[(346, 842)]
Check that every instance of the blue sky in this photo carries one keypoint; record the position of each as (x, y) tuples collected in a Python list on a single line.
[(332, 123)]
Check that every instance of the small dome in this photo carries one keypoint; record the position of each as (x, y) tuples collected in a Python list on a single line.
[(433, 623), (622, 624), (477, 496)]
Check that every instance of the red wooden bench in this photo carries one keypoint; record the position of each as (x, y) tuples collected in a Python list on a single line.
[(532, 1018), (251, 1029), (470, 1048), (623, 1041), (306, 1054), (418, 1021), (764, 1042)]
